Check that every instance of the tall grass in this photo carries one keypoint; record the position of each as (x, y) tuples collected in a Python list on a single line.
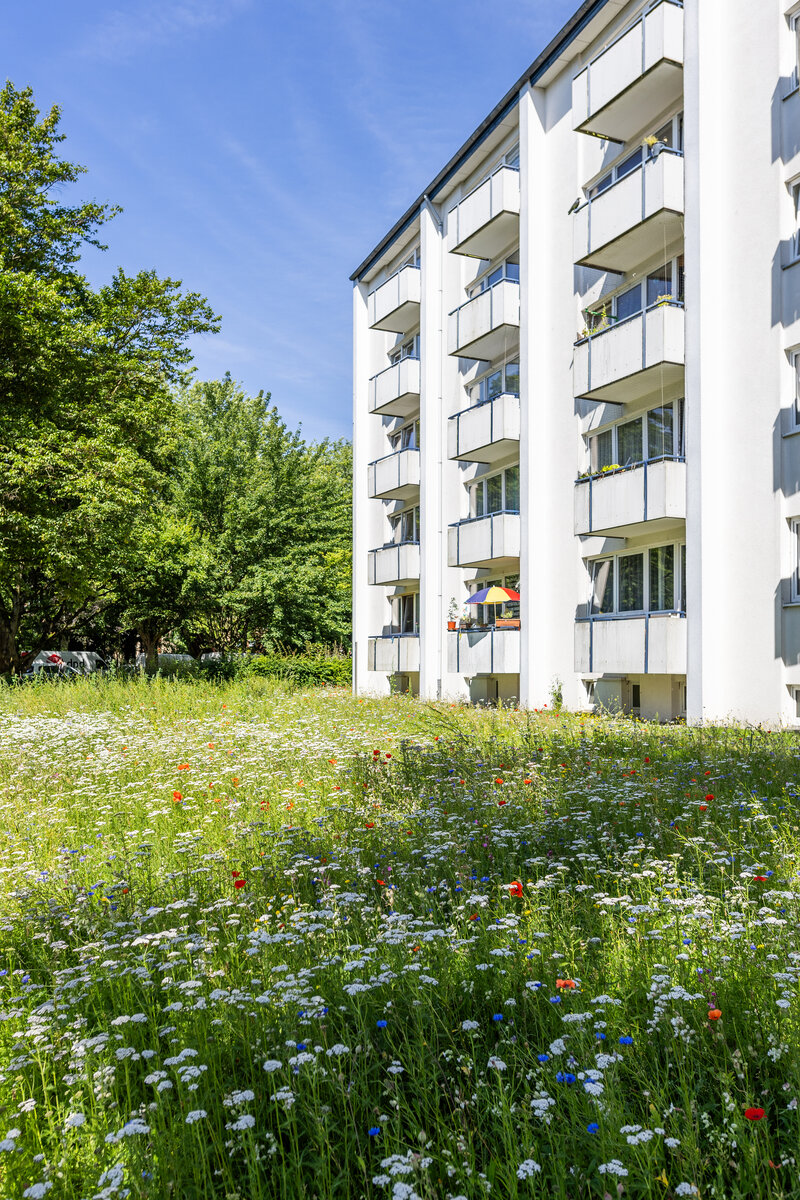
[(265, 943)]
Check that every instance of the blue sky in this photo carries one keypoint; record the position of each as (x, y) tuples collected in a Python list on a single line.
[(261, 150)]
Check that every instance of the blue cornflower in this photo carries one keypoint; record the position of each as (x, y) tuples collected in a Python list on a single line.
[(601, 1037), (626, 1040), (565, 1077), (301, 1046), (593, 1128), (555, 999), (381, 1024), (687, 941), (543, 1057), (374, 1131), (497, 1017)]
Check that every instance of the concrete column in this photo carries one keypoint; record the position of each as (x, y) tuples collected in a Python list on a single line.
[(370, 606), (432, 605), (549, 435), (733, 364)]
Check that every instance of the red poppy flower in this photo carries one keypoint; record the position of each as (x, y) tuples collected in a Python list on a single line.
[(754, 1114), (760, 878), (709, 795), (714, 1014), (381, 882), (474, 917), (515, 888), (236, 874), (370, 825), (565, 983), (647, 760), (500, 803), (183, 766), (703, 807), (177, 797), (238, 883), (498, 781)]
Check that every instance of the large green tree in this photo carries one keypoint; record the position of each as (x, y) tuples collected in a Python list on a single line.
[(275, 515), (87, 378)]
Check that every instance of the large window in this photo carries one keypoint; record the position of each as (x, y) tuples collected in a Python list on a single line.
[(795, 360), (795, 241), (795, 26), (670, 134), (405, 525), (506, 270), (495, 493), (659, 287), (405, 613), (495, 383), (636, 583), (485, 613), (795, 528), (655, 435)]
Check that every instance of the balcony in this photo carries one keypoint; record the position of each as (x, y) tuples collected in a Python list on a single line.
[(634, 218), (629, 360), (394, 477), (483, 652), (486, 432), (483, 541), (487, 220), (393, 654), (649, 644), (486, 325), (618, 502), (394, 392), (394, 306), (635, 79), (393, 565)]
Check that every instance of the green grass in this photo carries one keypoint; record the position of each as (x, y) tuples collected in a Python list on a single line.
[(461, 1037)]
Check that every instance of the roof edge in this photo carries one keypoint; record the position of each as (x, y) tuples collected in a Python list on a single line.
[(587, 11)]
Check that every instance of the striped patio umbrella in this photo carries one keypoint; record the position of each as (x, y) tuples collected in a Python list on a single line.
[(493, 595)]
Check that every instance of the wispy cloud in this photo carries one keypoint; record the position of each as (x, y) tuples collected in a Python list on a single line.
[(126, 31)]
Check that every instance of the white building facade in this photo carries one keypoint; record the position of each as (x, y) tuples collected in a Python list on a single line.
[(577, 375)]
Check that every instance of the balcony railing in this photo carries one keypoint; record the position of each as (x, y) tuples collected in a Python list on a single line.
[(487, 220), (395, 476), (394, 391), (394, 306), (483, 652), (637, 216), (632, 358), (624, 644), (480, 541), (394, 653), (393, 564), (617, 501), (485, 326), (485, 432), (626, 87)]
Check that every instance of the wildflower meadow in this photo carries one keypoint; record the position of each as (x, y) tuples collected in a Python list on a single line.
[(261, 942)]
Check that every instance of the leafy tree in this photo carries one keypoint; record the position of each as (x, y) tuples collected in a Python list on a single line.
[(276, 515), (87, 415)]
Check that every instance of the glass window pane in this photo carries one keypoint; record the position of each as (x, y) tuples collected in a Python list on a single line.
[(682, 605), (630, 163), (660, 438), (494, 277), (601, 450), (631, 582), (512, 271), (478, 500), (603, 586), (629, 302), (664, 134), (629, 442), (659, 284), (796, 365), (511, 607), (512, 378), (494, 497), (601, 185), (512, 489), (512, 158), (662, 578), (494, 385)]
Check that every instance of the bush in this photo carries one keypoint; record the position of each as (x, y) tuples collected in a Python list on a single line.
[(306, 670)]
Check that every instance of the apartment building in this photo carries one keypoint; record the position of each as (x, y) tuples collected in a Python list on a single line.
[(577, 376)]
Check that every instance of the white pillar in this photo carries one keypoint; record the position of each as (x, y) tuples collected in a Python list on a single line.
[(369, 603), (549, 437), (432, 454)]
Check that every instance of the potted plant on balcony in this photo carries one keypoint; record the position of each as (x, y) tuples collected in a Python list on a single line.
[(452, 613), (467, 620)]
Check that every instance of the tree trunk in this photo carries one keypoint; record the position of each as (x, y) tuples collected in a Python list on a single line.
[(150, 639)]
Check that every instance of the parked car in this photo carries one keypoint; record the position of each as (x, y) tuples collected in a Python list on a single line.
[(84, 662), (49, 670)]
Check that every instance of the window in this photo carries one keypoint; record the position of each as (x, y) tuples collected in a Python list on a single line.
[(670, 134), (512, 158), (405, 438), (665, 284), (405, 613), (795, 240), (656, 435), (405, 525), (637, 583), (794, 23), (506, 270), (495, 493), (499, 380), (795, 528), (408, 349), (485, 613), (795, 360)]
